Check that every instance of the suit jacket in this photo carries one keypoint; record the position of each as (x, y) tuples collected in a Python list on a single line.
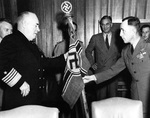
[(104, 57), (20, 61), (138, 65)]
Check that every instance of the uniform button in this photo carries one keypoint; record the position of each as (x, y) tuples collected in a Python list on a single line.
[(41, 56), (134, 71), (39, 87), (43, 86), (43, 78), (38, 69), (39, 77), (43, 69), (5, 72)]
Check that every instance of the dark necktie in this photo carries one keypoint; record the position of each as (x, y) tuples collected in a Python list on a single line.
[(106, 41), (132, 49)]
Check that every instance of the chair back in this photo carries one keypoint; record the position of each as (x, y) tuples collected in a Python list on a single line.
[(30, 111), (117, 107)]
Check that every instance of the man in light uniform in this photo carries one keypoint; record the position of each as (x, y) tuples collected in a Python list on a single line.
[(136, 58)]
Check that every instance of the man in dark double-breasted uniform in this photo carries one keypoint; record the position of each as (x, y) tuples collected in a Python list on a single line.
[(22, 64), (136, 57)]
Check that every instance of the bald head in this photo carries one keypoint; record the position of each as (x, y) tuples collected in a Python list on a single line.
[(28, 24), (5, 29)]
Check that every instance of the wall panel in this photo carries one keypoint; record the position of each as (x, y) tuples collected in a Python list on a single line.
[(126, 8), (2, 9), (147, 10), (80, 20), (141, 6), (86, 15), (117, 6), (104, 7), (133, 7), (89, 20), (97, 16)]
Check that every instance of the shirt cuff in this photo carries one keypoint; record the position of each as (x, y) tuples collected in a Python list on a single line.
[(94, 77)]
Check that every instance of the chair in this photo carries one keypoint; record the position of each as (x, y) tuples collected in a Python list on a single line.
[(30, 111), (117, 107)]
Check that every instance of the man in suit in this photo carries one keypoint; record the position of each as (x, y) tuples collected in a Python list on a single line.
[(106, 53), (136, 57), (22, 64), (145, 30), (5, 28)]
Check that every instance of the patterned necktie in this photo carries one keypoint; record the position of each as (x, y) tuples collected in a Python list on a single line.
[(106, 41)]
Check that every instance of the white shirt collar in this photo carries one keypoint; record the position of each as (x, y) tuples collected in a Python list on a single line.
[(109, 37)]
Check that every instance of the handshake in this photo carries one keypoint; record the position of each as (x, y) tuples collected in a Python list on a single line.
[(25, 89), (90, 78)]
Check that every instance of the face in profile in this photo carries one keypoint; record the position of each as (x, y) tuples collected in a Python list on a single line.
[(5, 29), (106, 25), (146, 33), (126, 32), (32, 26)]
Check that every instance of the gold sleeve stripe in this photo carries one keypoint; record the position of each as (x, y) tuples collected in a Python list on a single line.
[(14, 81), (9, 75), (12, 77)]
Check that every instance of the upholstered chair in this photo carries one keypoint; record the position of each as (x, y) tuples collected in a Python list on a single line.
[(117, 107), (30, 111)]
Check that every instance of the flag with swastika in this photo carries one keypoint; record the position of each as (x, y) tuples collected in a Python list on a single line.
[(76, 67)]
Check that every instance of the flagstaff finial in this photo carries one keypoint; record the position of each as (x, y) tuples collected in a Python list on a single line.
[(66, 7)]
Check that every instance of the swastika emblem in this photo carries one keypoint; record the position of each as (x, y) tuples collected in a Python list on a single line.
[(73, 61), (66, 7)]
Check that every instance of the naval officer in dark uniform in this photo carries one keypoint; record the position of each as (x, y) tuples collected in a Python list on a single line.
[(22, 64)]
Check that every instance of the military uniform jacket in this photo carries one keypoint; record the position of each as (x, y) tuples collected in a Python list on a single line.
[(20, 61), (104, 57), (138, 65)]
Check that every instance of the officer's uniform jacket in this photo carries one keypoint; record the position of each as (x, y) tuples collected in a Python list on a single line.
[(20, 61), (138, 65)]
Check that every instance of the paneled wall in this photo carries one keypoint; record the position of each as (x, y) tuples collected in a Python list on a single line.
[(86, 15)]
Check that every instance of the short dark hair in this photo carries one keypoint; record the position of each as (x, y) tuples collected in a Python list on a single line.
[(145, 26), (105, 17), (133, 21)]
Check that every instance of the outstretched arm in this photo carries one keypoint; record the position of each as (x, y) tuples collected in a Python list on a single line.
[(108, 74)]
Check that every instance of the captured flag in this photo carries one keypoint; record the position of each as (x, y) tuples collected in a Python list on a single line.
[(76, 68)]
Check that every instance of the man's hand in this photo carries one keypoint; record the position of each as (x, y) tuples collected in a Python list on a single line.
[(25, 89), (87, 79), (94, 66)]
